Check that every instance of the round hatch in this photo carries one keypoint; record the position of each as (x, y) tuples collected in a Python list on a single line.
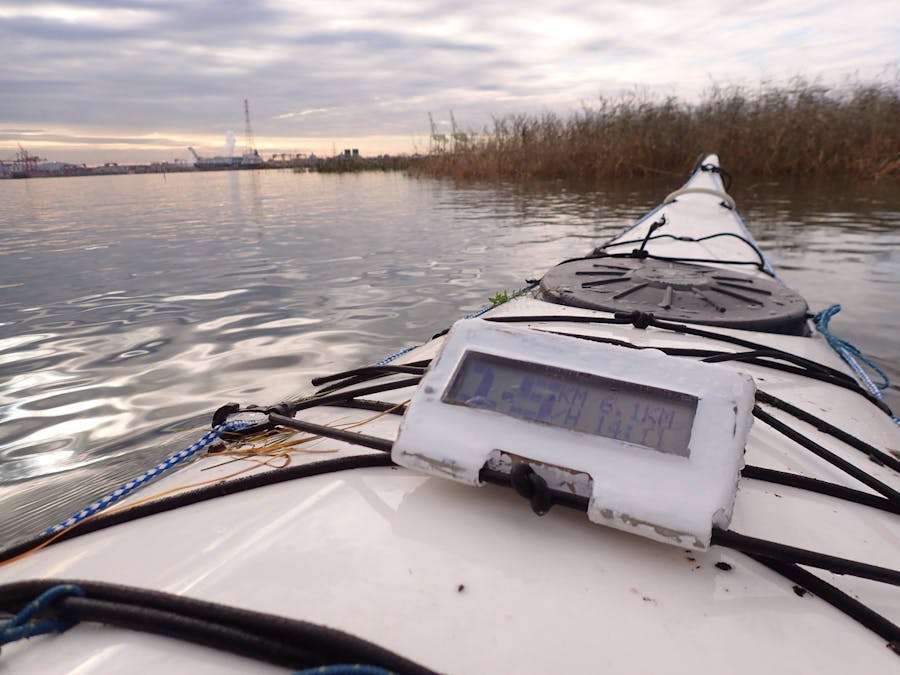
[(678, 292)]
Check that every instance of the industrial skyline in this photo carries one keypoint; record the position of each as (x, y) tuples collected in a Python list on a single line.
[(139, 81)]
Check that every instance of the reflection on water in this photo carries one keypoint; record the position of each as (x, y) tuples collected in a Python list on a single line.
[(133, 306)]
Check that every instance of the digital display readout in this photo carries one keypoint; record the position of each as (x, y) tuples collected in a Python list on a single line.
[(648, 416)]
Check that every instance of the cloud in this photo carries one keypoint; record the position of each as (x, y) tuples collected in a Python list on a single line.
[(352, 69), (301, 113)]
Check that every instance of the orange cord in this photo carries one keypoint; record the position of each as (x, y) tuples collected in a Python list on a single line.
[(248, 455)]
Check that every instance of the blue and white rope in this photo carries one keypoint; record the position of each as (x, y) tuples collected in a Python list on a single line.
[(852, 355), (390, 358), (491, 306), (146, 477), (479, 312)]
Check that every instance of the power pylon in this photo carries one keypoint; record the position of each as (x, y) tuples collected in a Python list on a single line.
[(251, 146)]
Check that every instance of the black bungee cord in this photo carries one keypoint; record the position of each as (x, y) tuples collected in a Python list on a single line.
[(822, 487), (775, 555), (726, 177), (825, 454), (652, 256), (339, 396), (876, 455), (599, 252), (643, 320), (359, 375), (284, 642)]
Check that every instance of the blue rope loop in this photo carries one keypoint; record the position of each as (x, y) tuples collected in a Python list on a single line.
[(850, 353), (345, 669), (852, 356), (132, 485), (25, 624)]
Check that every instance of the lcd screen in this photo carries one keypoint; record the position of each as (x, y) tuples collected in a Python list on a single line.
[(647, 416)]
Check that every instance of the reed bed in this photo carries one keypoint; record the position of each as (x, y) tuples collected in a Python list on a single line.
[(801, 129), (342, 164)]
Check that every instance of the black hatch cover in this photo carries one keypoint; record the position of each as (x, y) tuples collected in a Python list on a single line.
[(679, 292)]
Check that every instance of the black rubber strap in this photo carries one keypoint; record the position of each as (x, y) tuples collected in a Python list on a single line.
[(837, 599), (878, 456), (274, 639), (374, 442), (825, 454), (328, 399), (820, 486), (791, 554)]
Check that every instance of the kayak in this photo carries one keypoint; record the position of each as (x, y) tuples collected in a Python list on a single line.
[(654, 457)]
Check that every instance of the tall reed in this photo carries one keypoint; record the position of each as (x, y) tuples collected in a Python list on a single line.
[(800, 129)]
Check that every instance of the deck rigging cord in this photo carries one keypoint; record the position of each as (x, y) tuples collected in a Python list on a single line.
[(641, 253), (643, 320), (777, 556), (264, 637), (764, 358), (601, 251), (822, 487), (727, 178), (652, 256), (825, 454)]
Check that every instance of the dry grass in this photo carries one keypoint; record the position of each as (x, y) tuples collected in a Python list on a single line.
[(775, 131)]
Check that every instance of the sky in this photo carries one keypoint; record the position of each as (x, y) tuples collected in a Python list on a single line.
[(99, 81)]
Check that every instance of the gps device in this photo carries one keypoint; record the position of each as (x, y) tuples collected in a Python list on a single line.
[(655, 442)]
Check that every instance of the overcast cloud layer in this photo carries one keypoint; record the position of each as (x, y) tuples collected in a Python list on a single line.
[(140, 80)]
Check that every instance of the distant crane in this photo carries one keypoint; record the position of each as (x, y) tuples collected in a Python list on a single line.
[(438, 141), (22, 166), (460, 138)]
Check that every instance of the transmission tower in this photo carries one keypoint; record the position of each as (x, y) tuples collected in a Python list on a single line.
[(251, 146)]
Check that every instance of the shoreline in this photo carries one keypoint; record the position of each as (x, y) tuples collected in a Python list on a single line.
[(771, 133)]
